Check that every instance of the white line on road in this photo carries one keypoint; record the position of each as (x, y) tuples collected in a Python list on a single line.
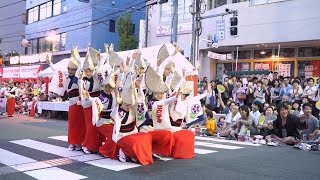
[(225, 141), (31, 167), (220, 146), (203, 151), (93, 159)]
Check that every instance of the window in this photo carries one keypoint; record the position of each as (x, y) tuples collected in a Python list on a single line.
[(309, 51), (63, 40), (56, 7), (34, 46), (285, 52), (42, 45), (242, 54), (237, 1), (133, 30), (43, 12), (30, 16), (112, 26), (219, 3), (183, 11), (259, 55), (49, 9), (36, 14)]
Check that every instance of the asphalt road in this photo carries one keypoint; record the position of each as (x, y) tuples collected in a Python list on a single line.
[(33, 148)]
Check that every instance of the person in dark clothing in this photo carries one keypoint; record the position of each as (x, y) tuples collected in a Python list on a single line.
[(285, 128)]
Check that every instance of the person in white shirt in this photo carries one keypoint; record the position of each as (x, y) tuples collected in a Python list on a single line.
[(255, 113), (310, 90)]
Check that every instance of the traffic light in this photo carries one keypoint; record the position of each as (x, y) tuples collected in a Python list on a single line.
[(234, 26)]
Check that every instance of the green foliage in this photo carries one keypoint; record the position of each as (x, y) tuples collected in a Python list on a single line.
[(127, 41)]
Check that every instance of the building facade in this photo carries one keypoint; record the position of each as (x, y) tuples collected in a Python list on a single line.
[(12, 26), (263, 26), (59, 25)]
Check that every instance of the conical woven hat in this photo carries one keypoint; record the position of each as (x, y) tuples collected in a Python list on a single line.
[(127, 94), (175, 80), (163, 53), (95, 56), (154, 81), (141, 63), (88, 63), (115, 59), (186, 89), (73, 63)]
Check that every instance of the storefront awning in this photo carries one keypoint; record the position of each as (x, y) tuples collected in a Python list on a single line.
[(243, 73)]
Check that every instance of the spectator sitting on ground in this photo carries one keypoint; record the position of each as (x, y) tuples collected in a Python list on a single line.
[(311, 121), (211, 124), (268, 116), (285, 128)]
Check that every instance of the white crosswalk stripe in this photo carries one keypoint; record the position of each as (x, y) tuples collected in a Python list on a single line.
[(31, 167), (225, 141), (93, 159), (50, 168)]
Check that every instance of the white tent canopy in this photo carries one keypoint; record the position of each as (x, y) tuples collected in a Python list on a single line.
[(61, 66), (149, 53)]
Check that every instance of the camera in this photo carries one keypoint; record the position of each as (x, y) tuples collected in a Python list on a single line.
[(227, 10)]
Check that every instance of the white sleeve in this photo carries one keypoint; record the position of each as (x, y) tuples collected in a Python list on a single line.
[(168, 100), (201, 96)]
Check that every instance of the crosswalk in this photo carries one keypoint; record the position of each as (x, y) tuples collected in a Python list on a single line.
[(57, 145)]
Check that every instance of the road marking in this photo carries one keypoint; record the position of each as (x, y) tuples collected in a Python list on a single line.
[(53, 174), (196, 150), (36, 169), (225, 141), (93, 159), (113, 164), (203, 151), (220, 146), (9, 158), (61, 138)]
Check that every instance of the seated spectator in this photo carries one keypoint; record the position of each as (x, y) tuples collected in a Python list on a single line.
[(285, 128), (268, 117), (241, 126), (211, 124), (296, 110), (311, 121)]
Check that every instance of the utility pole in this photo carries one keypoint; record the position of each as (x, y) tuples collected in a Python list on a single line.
[(196, 9), (174, 29)]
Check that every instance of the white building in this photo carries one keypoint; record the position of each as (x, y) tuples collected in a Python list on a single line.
[(262, 26)]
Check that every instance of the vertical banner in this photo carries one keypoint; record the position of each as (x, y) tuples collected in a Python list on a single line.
[(284, 70), (142, 34)]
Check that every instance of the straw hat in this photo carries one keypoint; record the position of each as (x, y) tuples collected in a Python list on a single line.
[(175, 80), (114, 59), (154, 82), (127, 94), (73, 63), (186, 89), (88, 63), (95, 56), (141, 63), (163, 53), (110, 80)]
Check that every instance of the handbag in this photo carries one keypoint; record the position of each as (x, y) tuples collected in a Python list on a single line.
[(241, 96)]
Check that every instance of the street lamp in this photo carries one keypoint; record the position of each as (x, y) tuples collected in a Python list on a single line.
[(52, 38)]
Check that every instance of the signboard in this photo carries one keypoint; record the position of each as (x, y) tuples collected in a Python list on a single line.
[(30, 71), (11, 72), (245, 66), (14, 60), (284, 70), (265, 67), (213, 55), (308, 71), (220, 29), (1, 71), (257, 66)]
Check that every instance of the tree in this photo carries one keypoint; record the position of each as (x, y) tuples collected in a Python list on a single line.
[(127, 41)]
